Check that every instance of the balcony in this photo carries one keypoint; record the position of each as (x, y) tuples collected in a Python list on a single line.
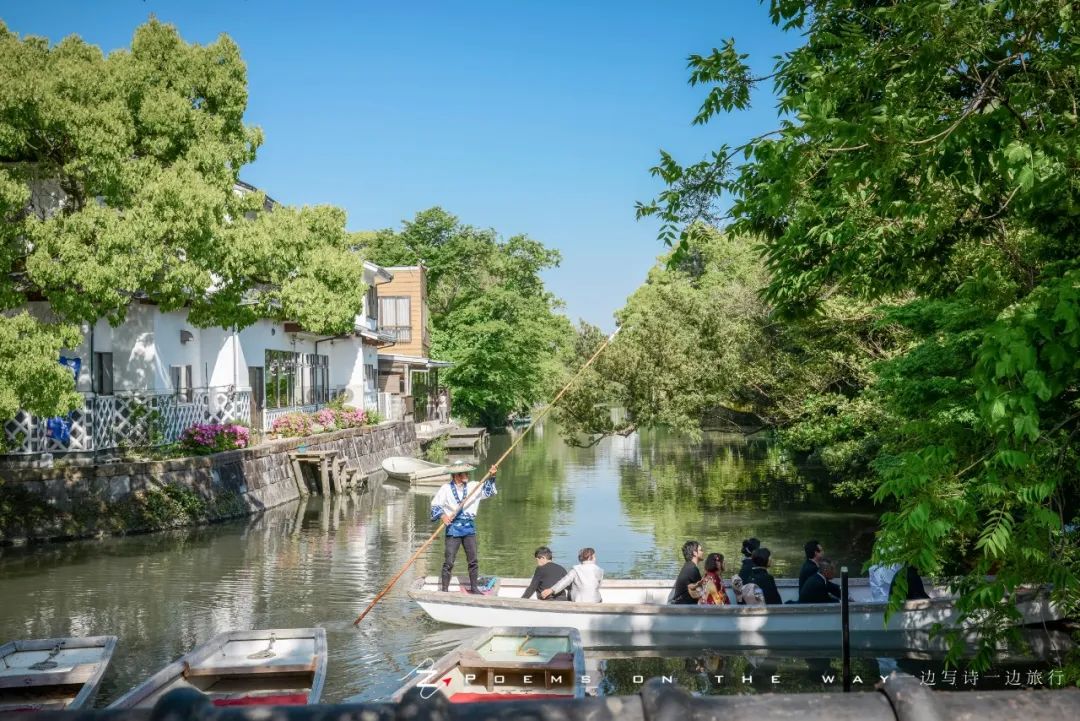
[(400, 333)]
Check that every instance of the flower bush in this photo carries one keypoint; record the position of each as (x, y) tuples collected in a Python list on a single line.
[(293, 424), (327, 418), (204, 438), (352, 418)]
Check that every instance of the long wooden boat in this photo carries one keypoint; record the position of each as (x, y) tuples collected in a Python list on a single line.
[(636, 612), (507, 664), (415, 470), (53, 673), (278, 667)]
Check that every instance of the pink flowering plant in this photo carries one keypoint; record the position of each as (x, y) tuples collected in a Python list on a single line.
[(293, 425), (205, 438), (352, 418), (327, 419)]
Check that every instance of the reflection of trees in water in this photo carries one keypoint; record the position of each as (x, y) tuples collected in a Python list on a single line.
[(724, 488)]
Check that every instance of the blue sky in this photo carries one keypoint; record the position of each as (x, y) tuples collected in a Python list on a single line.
[(529, 117)]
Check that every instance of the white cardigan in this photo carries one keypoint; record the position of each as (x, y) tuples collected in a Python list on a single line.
[(584, 580)]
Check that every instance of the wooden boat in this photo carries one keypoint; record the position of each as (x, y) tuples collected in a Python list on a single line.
[(279, 667), (636, 612), (53, 673), (415, 470), (507, 664)]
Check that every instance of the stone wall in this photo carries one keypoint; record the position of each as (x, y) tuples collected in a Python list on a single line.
[(261, 477)]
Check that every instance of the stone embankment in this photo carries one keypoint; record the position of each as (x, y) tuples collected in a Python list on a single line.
[(61, 503)]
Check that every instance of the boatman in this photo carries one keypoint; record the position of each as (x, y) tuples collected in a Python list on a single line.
[(461, 521)]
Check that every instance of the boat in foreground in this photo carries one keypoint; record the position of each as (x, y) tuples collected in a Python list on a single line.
[(279, 667), (415, 470), (507, 664), (53, 673), (636, 612)]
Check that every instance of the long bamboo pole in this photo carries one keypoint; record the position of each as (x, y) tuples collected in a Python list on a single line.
[(476, 489)]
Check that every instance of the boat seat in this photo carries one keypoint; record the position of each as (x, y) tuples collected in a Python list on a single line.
[(470, 660), (250, 669), (16, 677)]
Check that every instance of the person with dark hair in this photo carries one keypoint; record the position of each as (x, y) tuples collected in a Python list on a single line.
[(712, 585), (546, 575), (689, 580), (748, 547), (761, 577), (583, 579), (819, 588), (915, 588), (809, 568)]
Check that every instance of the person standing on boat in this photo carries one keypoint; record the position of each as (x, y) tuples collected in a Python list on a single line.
[(461, 521), (811, 566), (688, 584), (547, 574)]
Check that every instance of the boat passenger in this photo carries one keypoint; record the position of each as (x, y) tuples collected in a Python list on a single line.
[(688, 584), (814, 554), (546, 575), (819, 587), (761, 577), (460, 522), (584, 579), (712, 586), (748, 547), (915, 588)]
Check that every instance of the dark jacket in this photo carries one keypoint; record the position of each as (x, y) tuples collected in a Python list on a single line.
[(809, 568), (818, 590), (689, 574), (765, 582), (746, 569), (915, 588), (544, 577)]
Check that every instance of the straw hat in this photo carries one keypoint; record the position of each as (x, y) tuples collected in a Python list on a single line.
[(460, 467)]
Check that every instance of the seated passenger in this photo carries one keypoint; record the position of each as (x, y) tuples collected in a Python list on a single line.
[(915, 588), (748, 547), (687, 588), (761, 577), (819, 588), (712, 585), (546, 575), (814, 554), (584, 579)]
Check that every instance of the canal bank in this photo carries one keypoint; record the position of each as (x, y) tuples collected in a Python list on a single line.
[(70, 502)]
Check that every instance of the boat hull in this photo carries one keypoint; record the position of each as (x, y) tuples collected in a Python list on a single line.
[(415, 470), (233, 669), (655, 623)]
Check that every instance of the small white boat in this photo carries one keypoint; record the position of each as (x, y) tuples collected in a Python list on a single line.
[(507, 664), (637, 612), (415, 470), (53, 673), (279, 667)]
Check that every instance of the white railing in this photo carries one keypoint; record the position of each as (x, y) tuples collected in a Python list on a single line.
[(125, 419), (272, 414)]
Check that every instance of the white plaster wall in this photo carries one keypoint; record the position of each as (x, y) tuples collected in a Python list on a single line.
[(136, 365), (170, 351), (222, 356)]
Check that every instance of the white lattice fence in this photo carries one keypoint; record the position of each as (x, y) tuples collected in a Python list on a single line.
[(108, 422), (272, 414)]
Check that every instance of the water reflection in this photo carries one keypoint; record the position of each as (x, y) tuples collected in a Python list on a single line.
[(320, 561)]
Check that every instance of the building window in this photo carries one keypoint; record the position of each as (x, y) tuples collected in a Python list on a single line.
[(181, 383), (372, 303), (102, 382), (394, 318), (296, 379), (370, 377)]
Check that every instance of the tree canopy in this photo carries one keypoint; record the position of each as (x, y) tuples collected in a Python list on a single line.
[(926, 160), (491, 314), (118, 181)]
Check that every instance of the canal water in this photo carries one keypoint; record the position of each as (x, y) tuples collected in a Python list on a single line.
[(318, 562)]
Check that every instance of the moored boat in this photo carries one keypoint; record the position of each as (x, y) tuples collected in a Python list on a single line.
[(637, 612), (507, 664), (53, 673), (415, 470), (279, 667)]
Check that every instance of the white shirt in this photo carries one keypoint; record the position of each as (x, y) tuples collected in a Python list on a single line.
[(584, 581), (881, 578), (445, 502)]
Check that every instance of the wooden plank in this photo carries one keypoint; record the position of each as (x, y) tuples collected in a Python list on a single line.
[(298, 476), (37, 679), (455, 443), (458, 432), (251, 670)]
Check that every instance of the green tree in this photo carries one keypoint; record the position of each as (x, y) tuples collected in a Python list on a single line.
[(118, 179), (490, 312), (926, 159)]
